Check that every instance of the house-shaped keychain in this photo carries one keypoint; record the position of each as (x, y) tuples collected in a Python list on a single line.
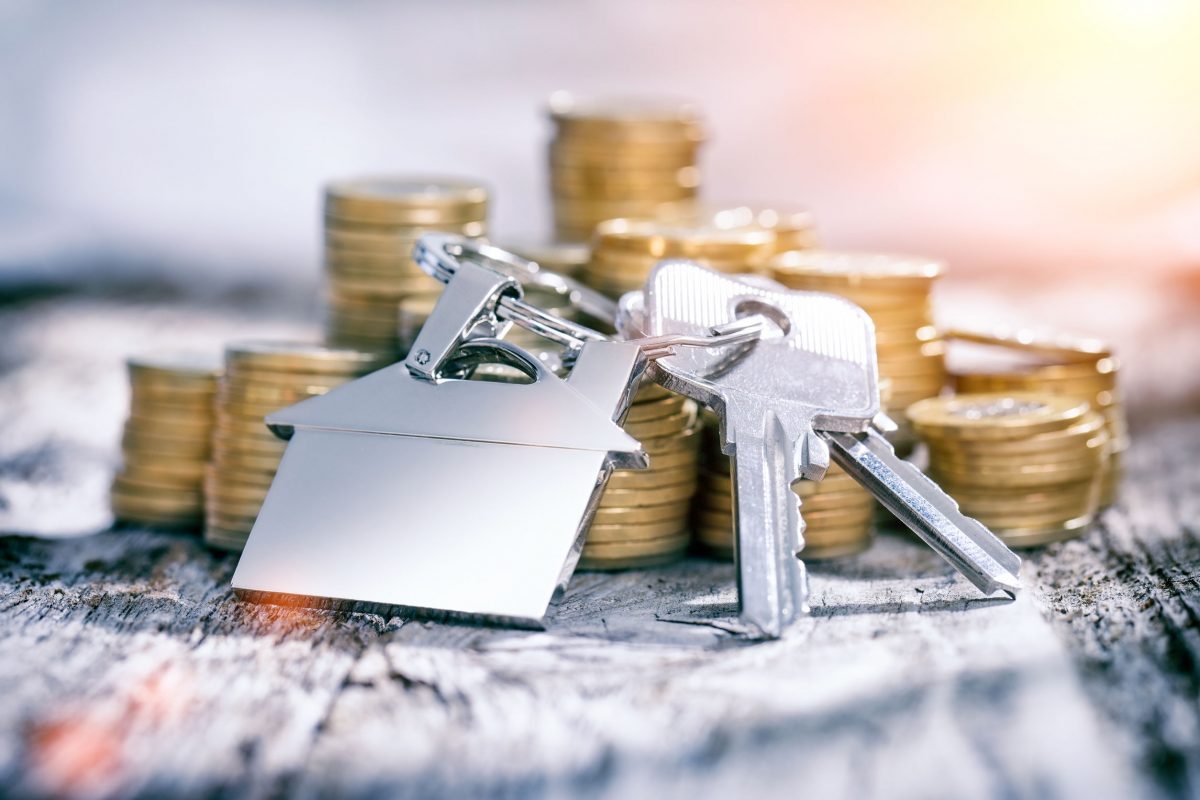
[(448, 497)]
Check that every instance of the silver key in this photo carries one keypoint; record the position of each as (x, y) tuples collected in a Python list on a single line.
[(812, 384), (768, 418)]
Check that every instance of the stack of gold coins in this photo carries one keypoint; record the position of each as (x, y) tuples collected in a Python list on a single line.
[(624, 251), (166, 441), (260, 378), (1029, 466), (642, 519), (837, 511), (794, 229), (895, 291), (371, 226), (621, 159), (1081, 368)]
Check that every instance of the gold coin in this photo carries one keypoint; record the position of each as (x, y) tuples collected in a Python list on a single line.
[(151, 475), (227, 475), (195, 404), (1036, 537), (250, 446), (675, 460), (997, 464), (629, 498), (829, 552), (642, 547), (863, 271), (651, 478), (141, 447), (252, 394), (1031, 519), (688, 441), (654, 410), (1053, 502), (664, 426), (228, 523), (181, 371), (181, 426), (299, 357), (794, 229), (169, 466), (642, 514), (1060, 348), (236, 460), (124, 501), (1028, 478), (231, 491), (295, 380), (666, 240), (1074, 438), (603, 533), (994, 416), (406, 200), (134, 490), (838, 517), (232, 507), (221, 539)]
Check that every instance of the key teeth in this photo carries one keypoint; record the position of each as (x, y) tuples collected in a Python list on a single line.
[(815, 457)]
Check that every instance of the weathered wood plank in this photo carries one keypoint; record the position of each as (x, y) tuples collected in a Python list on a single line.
[(127, 667)]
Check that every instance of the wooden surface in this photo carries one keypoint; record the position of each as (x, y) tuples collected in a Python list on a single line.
[(128, 669)]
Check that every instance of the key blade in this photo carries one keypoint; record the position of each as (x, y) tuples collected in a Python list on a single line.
[(927, 510), (772, 584)]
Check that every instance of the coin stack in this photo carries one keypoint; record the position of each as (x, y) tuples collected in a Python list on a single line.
[(895, 292), (1080, 368), (621, 158), (371, 225), (166, 441), (625, 251), (1029, 466), (794, 229), (642, 519), (837, 511), (260, 378)]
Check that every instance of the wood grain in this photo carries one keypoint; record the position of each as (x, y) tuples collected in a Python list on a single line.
[(128, 669)]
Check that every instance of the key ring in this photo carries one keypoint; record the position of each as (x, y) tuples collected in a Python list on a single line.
[(439, 255)]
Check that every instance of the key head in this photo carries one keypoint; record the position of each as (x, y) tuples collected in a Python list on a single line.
[(815, 367)]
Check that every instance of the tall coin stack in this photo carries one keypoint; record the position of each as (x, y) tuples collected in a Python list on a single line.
[(895, 291), (642, 519), (166, 441), (260, 378), (371, 226), (621, 159), (1080, 368), (837, 511), (1029, 466), (624, 251)]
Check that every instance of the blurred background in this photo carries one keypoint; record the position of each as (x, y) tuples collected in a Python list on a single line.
[(1047, 152), (190, 140)]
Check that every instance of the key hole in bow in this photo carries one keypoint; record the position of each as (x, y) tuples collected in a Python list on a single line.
[(494, 361), (750, 306)]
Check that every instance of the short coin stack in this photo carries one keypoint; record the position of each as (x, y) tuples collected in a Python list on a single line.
[(371, 226), (1079, 368), (624, 251), (837, 511), (643, 516), (1029, 466), (166, 441), (621, 159), (895, 292), (260, 378)]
